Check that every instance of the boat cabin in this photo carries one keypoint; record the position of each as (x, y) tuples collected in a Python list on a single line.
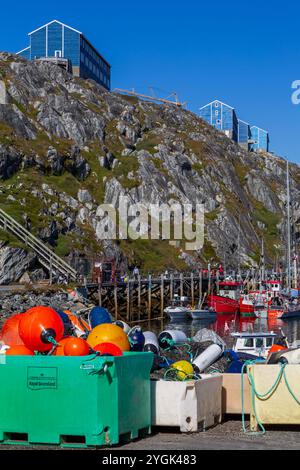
[(257, 344), (230, 289), (273, 289)]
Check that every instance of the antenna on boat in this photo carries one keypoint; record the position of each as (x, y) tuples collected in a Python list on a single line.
[(262, 264)]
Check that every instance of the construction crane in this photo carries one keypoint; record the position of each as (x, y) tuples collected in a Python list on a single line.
[(167, 101)]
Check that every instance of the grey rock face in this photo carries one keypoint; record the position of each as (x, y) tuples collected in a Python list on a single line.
[(14, 262), (146, 152), (10, 161), (55, 161), (84, 196), (14, 118), (78, 165), (49, 233)]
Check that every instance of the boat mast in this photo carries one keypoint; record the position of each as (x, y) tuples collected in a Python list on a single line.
[(288, 227), (262, 262), (295, 259)]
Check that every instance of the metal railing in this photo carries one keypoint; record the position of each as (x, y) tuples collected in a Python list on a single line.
[(47, 258)]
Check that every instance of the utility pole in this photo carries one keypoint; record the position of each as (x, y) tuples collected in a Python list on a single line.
[(239, 248), (288, 227)]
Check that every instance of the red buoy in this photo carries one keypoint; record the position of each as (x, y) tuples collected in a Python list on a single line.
[(19, 350), (108, 349), (39, 326), (76, 347), (10, 330)]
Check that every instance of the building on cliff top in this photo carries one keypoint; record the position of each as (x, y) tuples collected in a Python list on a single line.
[(58, 42), (224, 118), (244, 134), (260, 139)]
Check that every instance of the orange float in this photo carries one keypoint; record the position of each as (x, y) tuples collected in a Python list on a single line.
[(59, 350), (19, 350), (109, 333), (10, 330), (76, 347), (108, 349), (78, 323), (39, 326)]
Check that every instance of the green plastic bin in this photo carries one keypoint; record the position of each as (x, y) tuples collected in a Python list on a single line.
[(74, 401)]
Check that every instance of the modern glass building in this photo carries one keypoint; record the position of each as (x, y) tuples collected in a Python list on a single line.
[(244, 134), (57, 40), (260, 139), (222, 117)]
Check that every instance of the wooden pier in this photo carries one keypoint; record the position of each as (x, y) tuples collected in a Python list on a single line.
[(143, 299)]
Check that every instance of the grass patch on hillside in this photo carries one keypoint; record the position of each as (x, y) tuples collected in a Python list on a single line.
[(149, 142), (208, 252), (11, 240), (153, 256), (241, 171), (212, 215)]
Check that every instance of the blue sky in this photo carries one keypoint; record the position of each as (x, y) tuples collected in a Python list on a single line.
[(246, 54)]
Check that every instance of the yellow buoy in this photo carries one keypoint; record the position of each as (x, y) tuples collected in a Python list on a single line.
[(184, 369), (108, 333)]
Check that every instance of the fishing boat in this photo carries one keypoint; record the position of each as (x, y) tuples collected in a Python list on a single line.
[(284, 312), (257, 344), (227, 301), (177, 310), (202, 313), (246, 306)]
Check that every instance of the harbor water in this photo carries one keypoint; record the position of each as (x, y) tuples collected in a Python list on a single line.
[(227, 324)]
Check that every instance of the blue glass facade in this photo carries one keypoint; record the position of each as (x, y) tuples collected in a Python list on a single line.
[(92, 65), (260, 138), (56, 39), (38, 44), (244, 134), (222, 117), (72, 47)]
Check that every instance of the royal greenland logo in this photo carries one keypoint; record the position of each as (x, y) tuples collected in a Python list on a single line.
[(174, 222)]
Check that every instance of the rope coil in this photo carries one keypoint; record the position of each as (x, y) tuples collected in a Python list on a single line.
[(261, 396)]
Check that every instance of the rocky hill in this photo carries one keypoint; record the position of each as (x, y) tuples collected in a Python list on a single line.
[(67, 145)]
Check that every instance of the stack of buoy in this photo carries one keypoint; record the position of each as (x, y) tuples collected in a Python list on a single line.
[(47, 331)]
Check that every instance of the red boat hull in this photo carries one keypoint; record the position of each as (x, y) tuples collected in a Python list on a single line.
[(246, 310), (223, 304)]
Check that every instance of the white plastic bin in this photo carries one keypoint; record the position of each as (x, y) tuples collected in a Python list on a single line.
[(191, 406), (232, 394)]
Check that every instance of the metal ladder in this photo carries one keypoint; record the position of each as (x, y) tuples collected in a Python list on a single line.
[(47, 258)]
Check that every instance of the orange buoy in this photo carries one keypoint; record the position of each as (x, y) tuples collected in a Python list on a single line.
[(76, 347), (108, 333), (39, 326), (108, 349), (59, 350), (19, 350), (10, 330)]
